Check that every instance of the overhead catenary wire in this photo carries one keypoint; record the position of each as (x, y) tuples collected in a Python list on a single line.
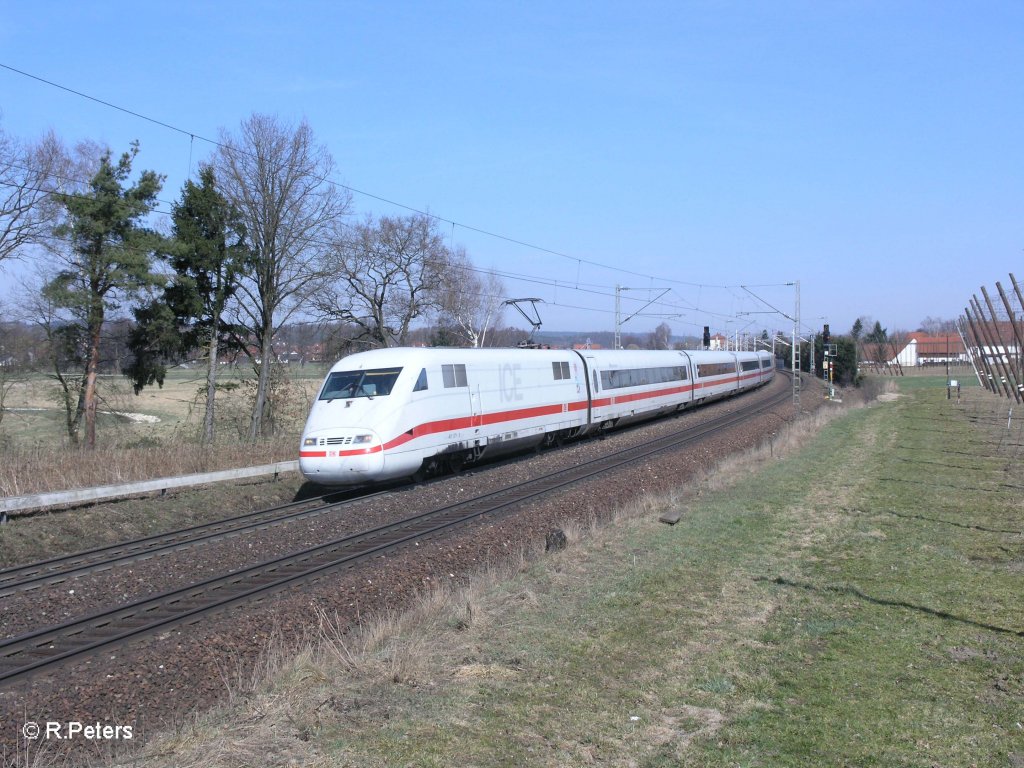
[(555, 284), (468, 227), (592, 288), (595, 289), (672, 310), (671, 313)]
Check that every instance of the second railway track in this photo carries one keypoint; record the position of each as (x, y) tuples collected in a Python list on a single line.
[(58, 569)]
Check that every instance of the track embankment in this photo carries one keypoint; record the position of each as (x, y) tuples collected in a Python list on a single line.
[(190, 666)]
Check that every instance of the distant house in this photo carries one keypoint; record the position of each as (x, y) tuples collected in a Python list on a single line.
[(718, 341), (923, 349)]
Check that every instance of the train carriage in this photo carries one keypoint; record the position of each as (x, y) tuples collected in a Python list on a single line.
[(635, 384), (717, 374), (393, 413), (451, 405), (767, 372)]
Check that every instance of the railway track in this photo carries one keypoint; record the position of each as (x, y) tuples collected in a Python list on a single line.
[(58, 569), (43, 649)]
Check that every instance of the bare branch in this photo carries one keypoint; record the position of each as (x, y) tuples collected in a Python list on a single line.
[(279, 180), (388, 274), (32, 176), (472, 304)]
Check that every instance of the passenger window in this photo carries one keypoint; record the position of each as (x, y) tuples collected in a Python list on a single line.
[(560, 370), (421, 382), (454, 375)]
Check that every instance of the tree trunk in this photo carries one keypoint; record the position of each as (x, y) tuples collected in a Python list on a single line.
[(256, 425), (72, 414), (211, 386), (75, 419), (89, 390)]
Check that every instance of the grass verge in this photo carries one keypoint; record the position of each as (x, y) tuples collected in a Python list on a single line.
[(26, 539), (856, 603)]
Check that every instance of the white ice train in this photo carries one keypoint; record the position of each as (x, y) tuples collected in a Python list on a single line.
[(392, 413)]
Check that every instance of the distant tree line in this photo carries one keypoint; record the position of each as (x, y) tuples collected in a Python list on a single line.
[(261, 241), (867, 343)]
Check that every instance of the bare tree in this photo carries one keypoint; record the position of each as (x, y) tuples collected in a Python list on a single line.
[(277, 177), (29, 175), (9, 362), (508, 336), (661, 337), (388, 273), (936, 326), (62, 352), (470, 303)]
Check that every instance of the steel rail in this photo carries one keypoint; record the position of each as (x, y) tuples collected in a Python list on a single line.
[(57, 569)]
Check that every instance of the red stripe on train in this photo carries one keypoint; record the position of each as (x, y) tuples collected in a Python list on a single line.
[(341, 454), (488, 419)]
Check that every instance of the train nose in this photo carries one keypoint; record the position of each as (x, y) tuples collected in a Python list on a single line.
[(341, 457)]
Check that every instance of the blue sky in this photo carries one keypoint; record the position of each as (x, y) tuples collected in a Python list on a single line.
[(871, 150)]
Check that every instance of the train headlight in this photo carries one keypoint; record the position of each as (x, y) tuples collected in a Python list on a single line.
[(308, 442), (362, 439)]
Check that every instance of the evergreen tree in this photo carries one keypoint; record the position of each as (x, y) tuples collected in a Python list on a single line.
[(207, 256), (109, 261), (845, 372)]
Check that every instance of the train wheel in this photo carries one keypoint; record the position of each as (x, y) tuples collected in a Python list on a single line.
[(457, 462), (553, 440), (428, 469)]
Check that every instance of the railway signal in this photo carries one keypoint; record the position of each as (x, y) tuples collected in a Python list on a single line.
[(830, 352)]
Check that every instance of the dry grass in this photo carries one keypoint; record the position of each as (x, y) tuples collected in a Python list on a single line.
[(709, 697), (153, 434), (341, 675), (32, 756), (790, 437), (36, 469), (273, 710)]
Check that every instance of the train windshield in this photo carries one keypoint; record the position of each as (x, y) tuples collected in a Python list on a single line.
[(350, 384)]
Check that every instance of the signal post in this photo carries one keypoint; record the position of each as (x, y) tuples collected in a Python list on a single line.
[(829, 351)]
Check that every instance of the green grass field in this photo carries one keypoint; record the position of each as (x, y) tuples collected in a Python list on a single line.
[(857, 603)]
